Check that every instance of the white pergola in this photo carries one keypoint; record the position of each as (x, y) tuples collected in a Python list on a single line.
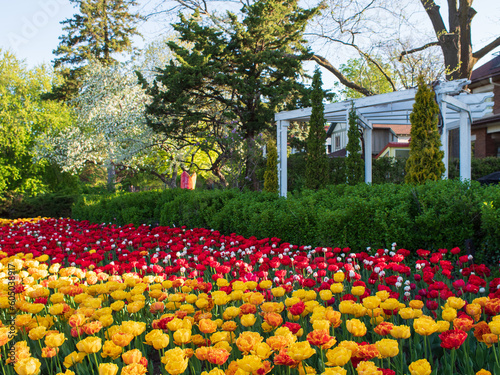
[(458, 110)]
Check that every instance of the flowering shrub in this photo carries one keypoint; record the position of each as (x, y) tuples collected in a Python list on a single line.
[(82, 298)]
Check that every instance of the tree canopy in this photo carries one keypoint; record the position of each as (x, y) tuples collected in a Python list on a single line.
[(24, 117), (99, 31), (232, 77)]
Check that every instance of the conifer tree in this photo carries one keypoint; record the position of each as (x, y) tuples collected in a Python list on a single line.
[(101, 29), (316, 160), (354, 162), (426, 159), (271, 173), (238, 73)]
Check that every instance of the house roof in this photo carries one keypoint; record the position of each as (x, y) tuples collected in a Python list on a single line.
[(398, 129), (490, 69), (395, 145), (486, 120), (338, 154)]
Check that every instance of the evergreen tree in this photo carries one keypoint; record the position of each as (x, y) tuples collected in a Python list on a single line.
[(426, 159), (101, 29), (316, 160), (234, 75), (354, 162), (271, 173)]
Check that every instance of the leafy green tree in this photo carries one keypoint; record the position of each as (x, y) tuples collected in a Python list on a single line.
[(354, 162), (367, 75), (24, 118), (233, 76), (271, 173), (426, 159), (316, 160), (101, 29)]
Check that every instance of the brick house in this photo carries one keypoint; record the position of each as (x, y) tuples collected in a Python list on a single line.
[(485, 132)]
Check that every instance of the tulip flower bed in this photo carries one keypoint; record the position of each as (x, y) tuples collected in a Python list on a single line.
[(82, 298)]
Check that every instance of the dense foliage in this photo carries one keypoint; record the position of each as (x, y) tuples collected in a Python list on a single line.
[(24, 118)]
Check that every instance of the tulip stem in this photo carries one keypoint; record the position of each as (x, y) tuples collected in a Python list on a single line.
[(468, 367), (401, 355), (46, 360), (96, 363), (59, 363), (352, 367), (452, 361), (425, 348), (495, 352)]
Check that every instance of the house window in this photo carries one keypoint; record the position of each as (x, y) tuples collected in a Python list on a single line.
[(402, 153), (337, 142)]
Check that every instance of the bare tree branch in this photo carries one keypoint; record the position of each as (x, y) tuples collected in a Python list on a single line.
[(346, 82), (487, 49), (421, 48), (366, 56)]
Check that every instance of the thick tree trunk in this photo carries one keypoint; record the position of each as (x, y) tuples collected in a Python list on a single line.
[(216, 170), (251, 164), (456, 43), (173, 181), (111, 177)]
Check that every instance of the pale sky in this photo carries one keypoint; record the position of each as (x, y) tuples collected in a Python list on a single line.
[(31, 28)]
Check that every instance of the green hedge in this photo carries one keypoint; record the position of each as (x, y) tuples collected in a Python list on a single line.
[(435, 215), (47, 205)]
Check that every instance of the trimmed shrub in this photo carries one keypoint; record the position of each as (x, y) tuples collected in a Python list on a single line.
[(434, 215), (46, 205)]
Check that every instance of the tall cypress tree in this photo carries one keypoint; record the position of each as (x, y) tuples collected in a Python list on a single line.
[(426, 159), (271, 173), (354, 162), (101, 29), (316, 161)]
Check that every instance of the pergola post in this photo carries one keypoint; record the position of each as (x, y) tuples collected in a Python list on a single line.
[(367, 131), (347, 125), (465, 146), (367, 135), (281, 143), (444, 137)]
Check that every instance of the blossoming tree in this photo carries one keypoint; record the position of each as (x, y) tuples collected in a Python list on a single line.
[(110, 129)]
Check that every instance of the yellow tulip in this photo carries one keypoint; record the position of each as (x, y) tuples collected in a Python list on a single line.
[(108, 369), (89, 345), (387, 348), (338, 356), (420, 367), (300, 351), (27, 366)]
